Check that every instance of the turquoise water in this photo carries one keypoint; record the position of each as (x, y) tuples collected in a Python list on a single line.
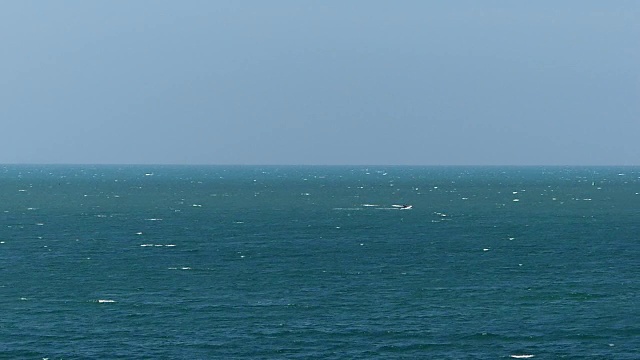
[(141, 262)]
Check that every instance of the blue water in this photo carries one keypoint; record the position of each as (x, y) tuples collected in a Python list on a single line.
[(146, 262)]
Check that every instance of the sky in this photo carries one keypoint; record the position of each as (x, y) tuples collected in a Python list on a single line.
[(320, 82)]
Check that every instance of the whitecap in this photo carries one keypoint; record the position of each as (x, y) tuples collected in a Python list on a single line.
[(105, 301), (170, 245), (516, 200), (196, 205), (154, 219), (525, 356)]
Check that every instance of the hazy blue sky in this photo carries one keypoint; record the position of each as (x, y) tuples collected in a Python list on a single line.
[(320, 82)]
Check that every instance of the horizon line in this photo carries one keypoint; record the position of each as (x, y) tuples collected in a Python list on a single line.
[(313, 165)]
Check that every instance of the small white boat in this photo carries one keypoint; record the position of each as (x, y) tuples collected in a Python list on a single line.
[(403, 207)]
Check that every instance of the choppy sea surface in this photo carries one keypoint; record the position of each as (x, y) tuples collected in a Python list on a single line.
[(247, 262)]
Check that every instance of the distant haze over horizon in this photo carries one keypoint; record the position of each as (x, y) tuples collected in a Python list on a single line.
[(360, 83), (372, 166)]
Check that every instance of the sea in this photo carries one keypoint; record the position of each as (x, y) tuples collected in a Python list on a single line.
[(319, 262)]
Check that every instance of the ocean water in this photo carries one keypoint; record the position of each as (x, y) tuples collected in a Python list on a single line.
[(169, 262)]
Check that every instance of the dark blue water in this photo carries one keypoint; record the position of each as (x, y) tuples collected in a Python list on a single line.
[(316, 262)]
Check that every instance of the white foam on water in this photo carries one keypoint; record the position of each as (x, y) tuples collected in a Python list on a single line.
[(512, 238), (154, 219), (40, 224), (158, 245), (139, 233), (485, 249), (369, 205), (525, 356), (185, 268), (101, 301), (143, 245), (170, 245), (516, 200), (196, 205)]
